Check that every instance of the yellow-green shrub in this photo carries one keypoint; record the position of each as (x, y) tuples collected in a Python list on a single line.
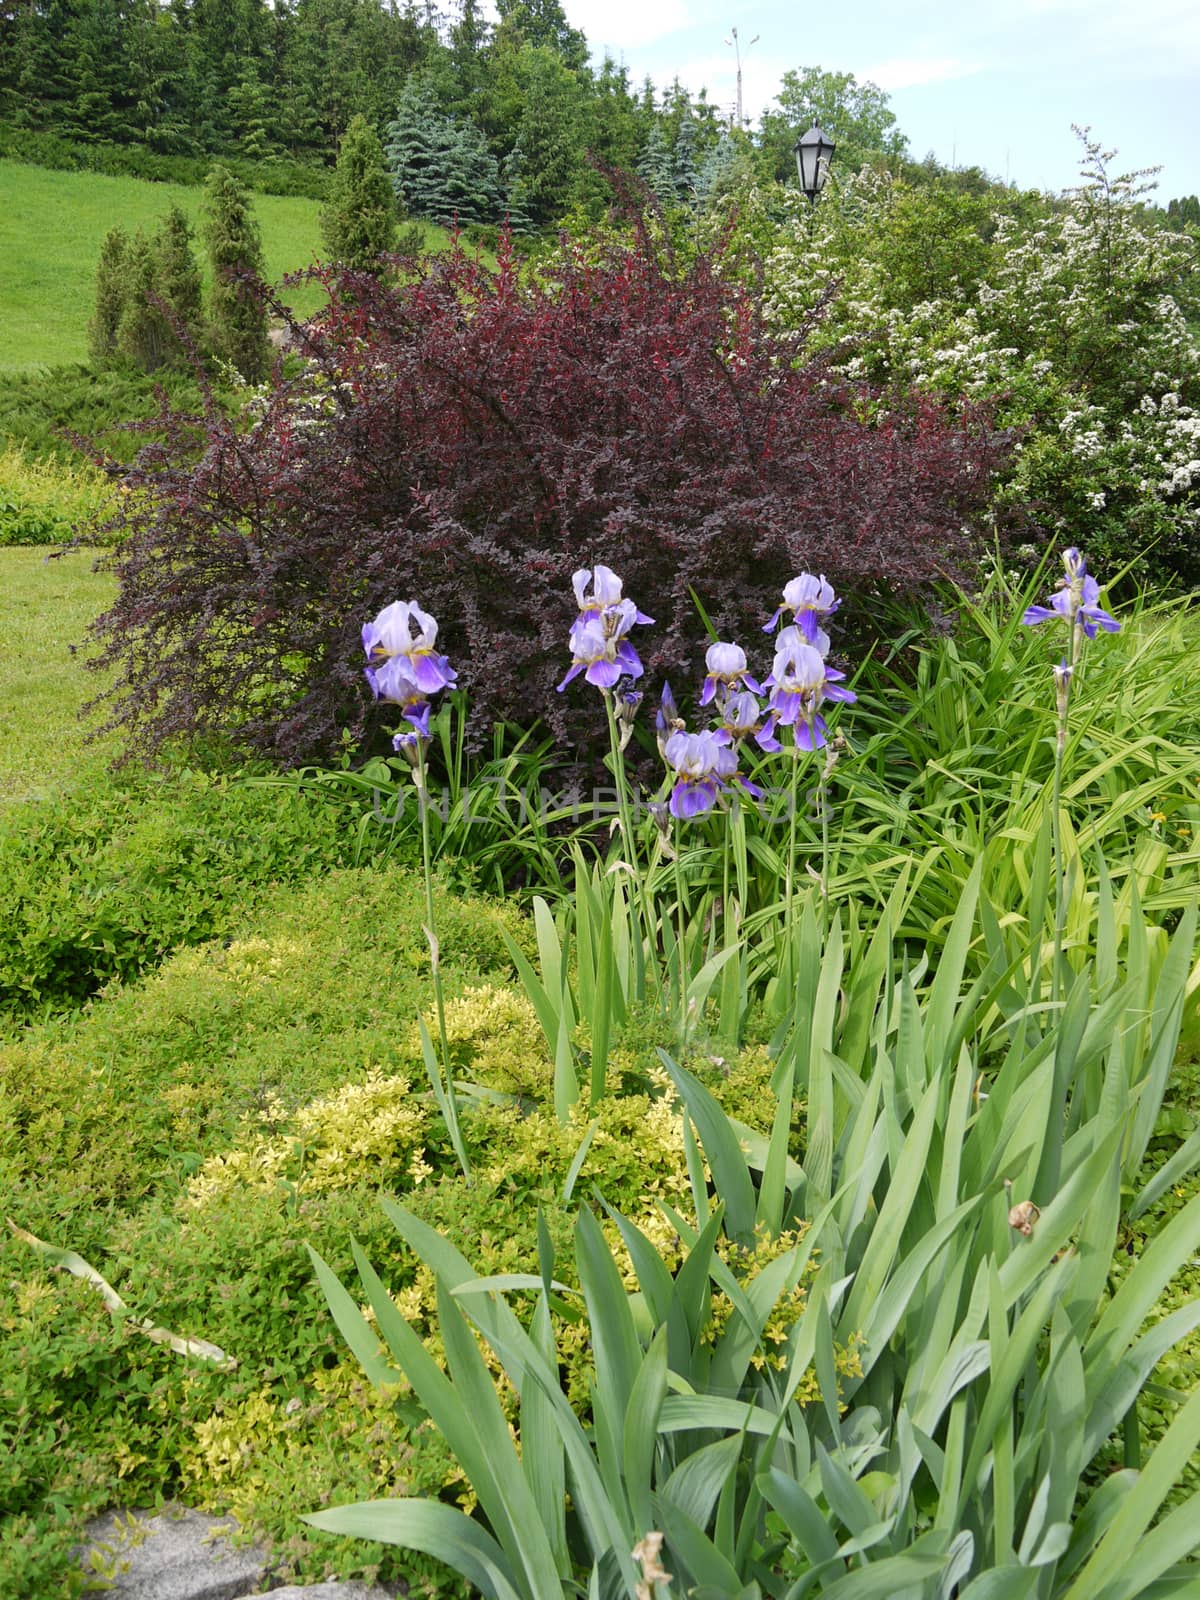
[(43, 501)]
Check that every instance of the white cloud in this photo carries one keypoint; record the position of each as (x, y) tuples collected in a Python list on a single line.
[(909, 72), (615, 27), (1156, 37)]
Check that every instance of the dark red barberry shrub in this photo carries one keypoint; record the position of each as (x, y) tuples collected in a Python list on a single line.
[(468, 440)]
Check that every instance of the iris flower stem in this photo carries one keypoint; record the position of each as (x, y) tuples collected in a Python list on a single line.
[(1056, 832), (625, 813), (679, 926), (439, 997), (1060, 897), (823, 802), (790, 873)]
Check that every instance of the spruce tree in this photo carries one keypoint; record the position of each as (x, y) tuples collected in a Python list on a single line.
[(549, 134), (359, 219), (111, 292), (656, 164), (237, 318), (516, 192), (248, 107), (144, 336), (685, 173), (728, 170), (440, 168), (179, 278)]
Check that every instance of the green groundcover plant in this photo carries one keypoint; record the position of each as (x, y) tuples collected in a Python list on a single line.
[(102, 884)]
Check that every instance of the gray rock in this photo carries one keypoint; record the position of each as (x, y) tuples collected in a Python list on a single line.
[(333, 1589), (174, 1554)]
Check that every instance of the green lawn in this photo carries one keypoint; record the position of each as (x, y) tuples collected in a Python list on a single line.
[(45, 607), (51, 227)]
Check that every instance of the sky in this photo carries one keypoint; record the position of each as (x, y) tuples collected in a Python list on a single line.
[(994, 86)]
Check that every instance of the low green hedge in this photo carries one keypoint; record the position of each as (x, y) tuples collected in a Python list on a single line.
[(276, 175), (103, 882)]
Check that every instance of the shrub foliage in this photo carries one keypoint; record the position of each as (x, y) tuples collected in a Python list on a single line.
[(470, 438), (1078, 316)]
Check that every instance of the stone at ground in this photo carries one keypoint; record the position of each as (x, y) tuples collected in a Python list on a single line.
[(173, 1554), (339, 1589), (177, 1554)]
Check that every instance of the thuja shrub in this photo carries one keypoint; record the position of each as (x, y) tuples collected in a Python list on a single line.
[(470, 437)]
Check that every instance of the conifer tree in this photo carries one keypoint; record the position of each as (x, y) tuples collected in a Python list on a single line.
[(549, 133), (516, 192), (144, 336), (685, 171), (440, 168), (111, 290), (237, 319), (248, 109), (359, 219), (179, 277), (656, 164), (728, 170)]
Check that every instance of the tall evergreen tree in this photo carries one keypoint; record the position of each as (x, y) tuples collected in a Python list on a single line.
[(516, 192), (723, 169), (440, 168), (657, 165), (549, 133), (1183, 212), (39, 68), (544, 23), (251, 121), (359, 219), (237, 319), (179, 279), (683, 164), (613, 131), (111, 293), (144, 336)]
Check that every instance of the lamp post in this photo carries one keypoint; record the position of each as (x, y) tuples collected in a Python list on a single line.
[(814, 152)]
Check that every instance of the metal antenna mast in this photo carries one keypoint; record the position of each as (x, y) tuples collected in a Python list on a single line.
[(733, 40)]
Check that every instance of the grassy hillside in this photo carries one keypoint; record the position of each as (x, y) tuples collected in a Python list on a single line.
[(51, 227)]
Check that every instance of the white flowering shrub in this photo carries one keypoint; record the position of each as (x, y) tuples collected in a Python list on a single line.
[(1076, 316)]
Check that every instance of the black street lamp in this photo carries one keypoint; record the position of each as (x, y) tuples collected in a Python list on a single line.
[(814, 152)]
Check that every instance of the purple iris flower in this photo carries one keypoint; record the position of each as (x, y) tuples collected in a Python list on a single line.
[(418, 718), (726, 665), (810, 600), (701, 764), (405, 669), (742, 718), (394, 681), (800, 682), (1076, 602), (403, 632), (599, 646)]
